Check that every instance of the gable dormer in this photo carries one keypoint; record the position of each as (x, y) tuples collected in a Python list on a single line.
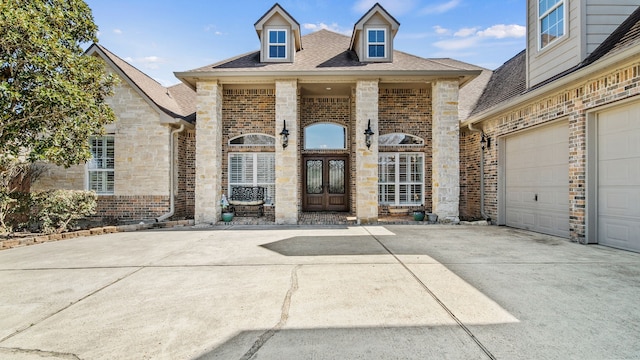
[(373, 34), (279, 35)]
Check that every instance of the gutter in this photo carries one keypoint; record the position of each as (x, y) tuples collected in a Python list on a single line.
[(172, 202), (633, 51), (482, 213)]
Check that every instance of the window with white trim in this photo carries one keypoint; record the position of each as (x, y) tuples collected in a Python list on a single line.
[(551, 21), (400, 178), (376, 43), (101, 167), (277, 44), (254, 169)]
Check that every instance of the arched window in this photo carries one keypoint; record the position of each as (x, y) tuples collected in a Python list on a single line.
[(395, 139), (325, 136), (253, 140)]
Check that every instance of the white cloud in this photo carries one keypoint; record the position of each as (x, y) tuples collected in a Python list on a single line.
[(332, 27), (464, 32), (502, 31), (117, 31), (457, 44), (394, 7), (440, 30), (440, 8)]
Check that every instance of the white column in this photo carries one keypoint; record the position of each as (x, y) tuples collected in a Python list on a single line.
[(287, 159), (446, 151), (208, 189), (366, 161)]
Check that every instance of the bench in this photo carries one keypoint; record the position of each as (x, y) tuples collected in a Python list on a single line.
[(247, 200)]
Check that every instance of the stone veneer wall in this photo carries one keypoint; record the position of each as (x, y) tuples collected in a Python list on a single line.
[(208, 190), (446, 151), (141, 189), (407, 111), (335, 110), (574, 101), (287, 159), (366, 159)]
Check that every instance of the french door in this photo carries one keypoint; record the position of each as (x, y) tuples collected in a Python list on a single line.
[(325, 185)]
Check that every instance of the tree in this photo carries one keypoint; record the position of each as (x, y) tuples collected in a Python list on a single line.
[(52, 96)]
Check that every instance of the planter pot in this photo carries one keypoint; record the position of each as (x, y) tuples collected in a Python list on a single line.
[(432, 217), (418, 216), (226, 217)]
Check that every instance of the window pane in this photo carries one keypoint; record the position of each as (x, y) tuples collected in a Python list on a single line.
[(273, 37), (401, 178), (254, 169), (325, 136)]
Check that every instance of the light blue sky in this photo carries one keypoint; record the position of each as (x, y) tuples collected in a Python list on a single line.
[(163, 36)]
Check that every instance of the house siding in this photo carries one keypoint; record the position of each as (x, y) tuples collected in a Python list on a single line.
[(556, 57), (603, 17), (141, 189), (573, 102)]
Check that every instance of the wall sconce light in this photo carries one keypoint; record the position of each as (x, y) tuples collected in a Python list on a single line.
[(285, 135), (367, 134), (485, 140)]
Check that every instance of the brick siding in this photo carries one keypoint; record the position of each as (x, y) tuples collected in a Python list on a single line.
[(572, 103)]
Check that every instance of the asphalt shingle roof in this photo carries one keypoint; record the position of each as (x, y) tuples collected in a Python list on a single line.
[(327, 50), (178, 101)]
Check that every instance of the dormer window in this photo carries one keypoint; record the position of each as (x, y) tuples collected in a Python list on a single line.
[(376, 42), (277, 44), (551, 21)]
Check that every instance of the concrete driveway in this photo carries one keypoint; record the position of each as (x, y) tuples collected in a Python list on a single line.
[(370, 292)]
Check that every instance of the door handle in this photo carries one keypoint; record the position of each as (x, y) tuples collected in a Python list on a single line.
[(535, 198)]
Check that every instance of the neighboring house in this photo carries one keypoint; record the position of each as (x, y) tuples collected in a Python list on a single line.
[(563, 123), (143, 165), (329, 91)]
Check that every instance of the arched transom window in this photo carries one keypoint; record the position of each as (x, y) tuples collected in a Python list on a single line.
[(325, 136)]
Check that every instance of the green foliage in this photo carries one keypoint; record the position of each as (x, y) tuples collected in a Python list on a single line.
[(55, 210), (15, 177), (52, 96)]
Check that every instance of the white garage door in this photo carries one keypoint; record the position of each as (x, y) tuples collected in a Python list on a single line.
[(619, 178), (537, 180)]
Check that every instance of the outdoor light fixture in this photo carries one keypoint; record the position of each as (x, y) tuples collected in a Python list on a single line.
[(368, 134), (485, 140), (285, 135)]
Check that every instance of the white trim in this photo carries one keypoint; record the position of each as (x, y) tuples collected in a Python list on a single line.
[(286, 44), (397, 182), (271, 196), (565, 19), (384, 43), (89, 169)]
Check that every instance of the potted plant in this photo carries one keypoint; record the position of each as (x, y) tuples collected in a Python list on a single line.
[(418, 215), (227, 212)]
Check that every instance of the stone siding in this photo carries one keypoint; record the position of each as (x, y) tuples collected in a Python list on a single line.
[(366, 159), (208, 190), (141, 161), (573, 102), (446, 151), (287, 159)]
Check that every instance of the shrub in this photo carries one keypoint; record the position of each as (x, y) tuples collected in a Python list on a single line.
[(56, 210)]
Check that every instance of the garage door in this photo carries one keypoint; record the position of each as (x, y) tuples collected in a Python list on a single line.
[(537, 180), (619, 178)]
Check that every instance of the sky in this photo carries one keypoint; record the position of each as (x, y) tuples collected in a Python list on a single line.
[(162, 36)]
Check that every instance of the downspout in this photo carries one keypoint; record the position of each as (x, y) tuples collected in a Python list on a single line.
[(172, 205), (482, 213)]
